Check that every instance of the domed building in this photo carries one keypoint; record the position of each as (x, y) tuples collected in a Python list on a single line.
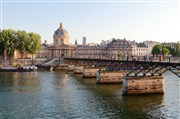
[(60, 47), (60, 36)]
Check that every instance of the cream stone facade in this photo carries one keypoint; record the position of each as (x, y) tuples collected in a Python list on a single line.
[(60, 36), (60, 46), (121, 49)]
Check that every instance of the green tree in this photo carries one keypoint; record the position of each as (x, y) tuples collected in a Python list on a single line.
[(165, 50), (1, 44), (172, 51), (34, 44), (7, 43), (159, 49), (22, 42), (177, 50), (156, 49)]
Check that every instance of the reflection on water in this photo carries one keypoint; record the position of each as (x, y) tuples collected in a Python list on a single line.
[(62, 94)]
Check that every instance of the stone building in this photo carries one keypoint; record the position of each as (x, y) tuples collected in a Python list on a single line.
[(121, 49), (60, 36), (140, 49), (116, 49), (112, 49), (150, 45), (84, 41), (60, 46), (90, 51), (43, 53)]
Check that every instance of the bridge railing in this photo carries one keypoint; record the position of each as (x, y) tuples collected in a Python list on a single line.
[(134, 58)]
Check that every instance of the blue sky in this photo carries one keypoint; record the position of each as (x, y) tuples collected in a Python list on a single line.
[(157, 21)]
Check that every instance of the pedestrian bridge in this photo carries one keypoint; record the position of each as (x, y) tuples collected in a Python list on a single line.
[(138, 76), (131, 67)]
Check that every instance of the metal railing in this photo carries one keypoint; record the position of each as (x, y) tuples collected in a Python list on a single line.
[(133, 58)]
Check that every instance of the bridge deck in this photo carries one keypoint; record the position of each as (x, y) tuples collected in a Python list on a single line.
[(133, 66)]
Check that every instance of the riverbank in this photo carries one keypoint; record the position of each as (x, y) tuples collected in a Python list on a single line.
[(17, 69)]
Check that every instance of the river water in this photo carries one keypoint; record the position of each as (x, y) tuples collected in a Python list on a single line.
[(63, 95)]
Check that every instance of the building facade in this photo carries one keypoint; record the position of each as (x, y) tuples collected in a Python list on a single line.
[(115, 49), (60, 46), (111, 49), (84, 41)]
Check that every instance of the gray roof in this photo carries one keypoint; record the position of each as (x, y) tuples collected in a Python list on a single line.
[(60, 31)]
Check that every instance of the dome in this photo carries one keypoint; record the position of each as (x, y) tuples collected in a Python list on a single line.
[(61, 31)]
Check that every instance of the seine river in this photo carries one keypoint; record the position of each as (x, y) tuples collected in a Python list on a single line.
[(63, 95)]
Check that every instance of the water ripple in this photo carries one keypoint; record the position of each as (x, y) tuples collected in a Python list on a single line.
[(61, 95)]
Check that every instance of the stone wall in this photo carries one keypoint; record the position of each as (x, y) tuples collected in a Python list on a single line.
[(110, 76), (143, 85)]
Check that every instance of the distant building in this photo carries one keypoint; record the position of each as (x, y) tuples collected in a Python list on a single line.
[(140, 49), (113, 49), (43, 53), (60, 36), (170, 44), (76, 42), (60, 46), (84, 41), (150, 45)]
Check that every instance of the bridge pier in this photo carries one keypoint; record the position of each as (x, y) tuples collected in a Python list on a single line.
[(62, 67), (78, 69), (89, 72), (71, 67), (51, 68), (105, 76), (143, 85)]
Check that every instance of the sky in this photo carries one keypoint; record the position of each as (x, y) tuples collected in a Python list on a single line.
[(156, 20)]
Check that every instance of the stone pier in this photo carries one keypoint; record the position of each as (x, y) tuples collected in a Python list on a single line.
[(62, 67), (143, 85), (51, 68), (78, 69), (105, 76), (89, 72), (71, 67)]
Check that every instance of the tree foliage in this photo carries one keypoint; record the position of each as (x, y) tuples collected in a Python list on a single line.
[(159, 49), (156, 49), (34, 43), (177, 50), (165, 51), (22, 41), (7, 43)]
